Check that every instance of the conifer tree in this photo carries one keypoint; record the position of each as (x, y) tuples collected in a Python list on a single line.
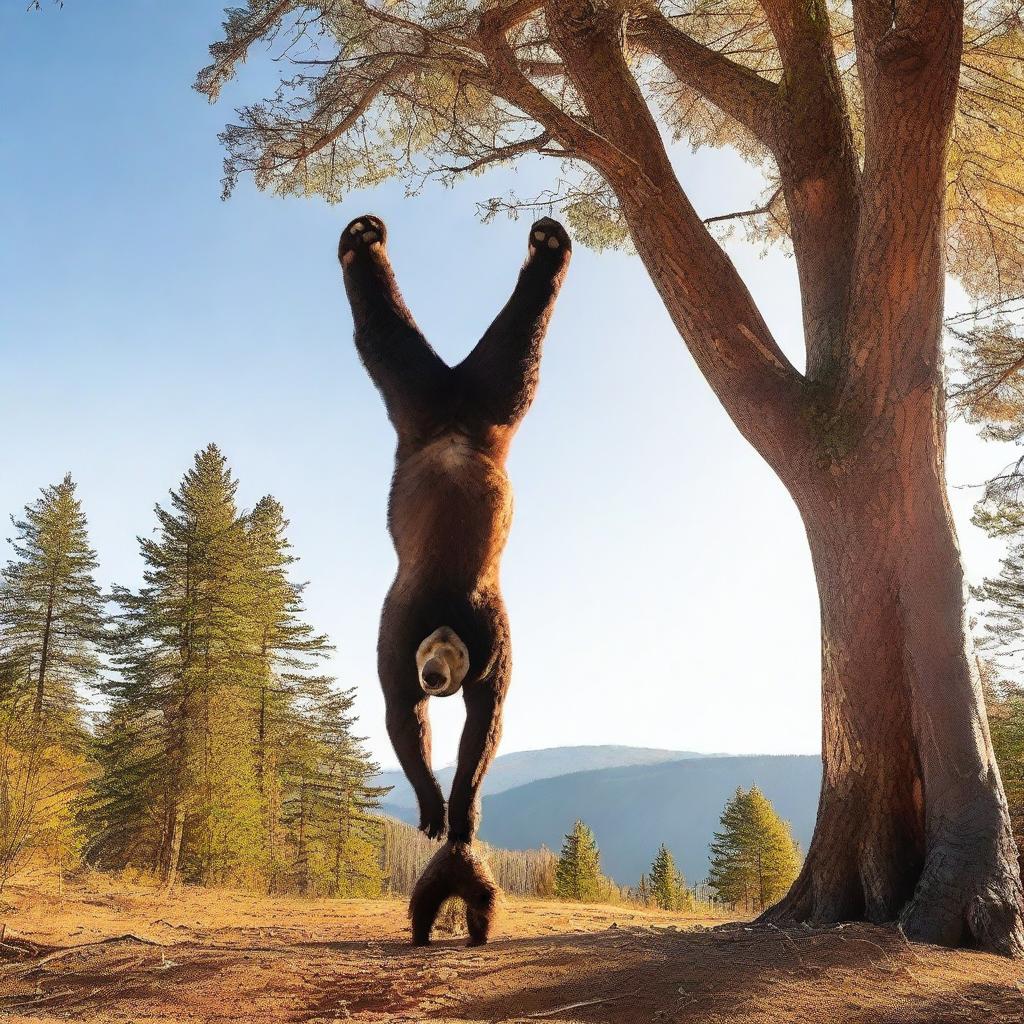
[(51, 610), (578, 874), (187, 644), (889, 139), (754, 858), (667, 886), (288, 650), (642, 893), (224, 752), (51, 624), (328, 808)]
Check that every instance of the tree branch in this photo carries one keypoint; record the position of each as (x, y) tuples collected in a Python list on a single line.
[(908, 59), (508, 81), (502, 154), (397, 70), (241, 30), (737, 91), (701, 289), (819, 170), (738, 214)]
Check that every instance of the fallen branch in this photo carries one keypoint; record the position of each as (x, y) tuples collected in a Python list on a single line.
[(38, 999), (573, 1006), (71, 950)]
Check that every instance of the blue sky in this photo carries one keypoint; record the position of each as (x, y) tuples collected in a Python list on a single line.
[(657, 576)]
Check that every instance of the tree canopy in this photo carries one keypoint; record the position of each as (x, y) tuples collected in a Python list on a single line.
[(442, 88)]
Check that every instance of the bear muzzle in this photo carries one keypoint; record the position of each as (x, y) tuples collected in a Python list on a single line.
[(442, 662)]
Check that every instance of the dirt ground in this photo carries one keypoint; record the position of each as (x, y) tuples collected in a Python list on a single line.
[(107, 951)]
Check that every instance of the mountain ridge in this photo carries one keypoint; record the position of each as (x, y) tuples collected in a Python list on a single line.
[(634, 808), (520, 767)]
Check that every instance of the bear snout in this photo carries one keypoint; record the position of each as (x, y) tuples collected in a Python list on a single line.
[(434, 675)]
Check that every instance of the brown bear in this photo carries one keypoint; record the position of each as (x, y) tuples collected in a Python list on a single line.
[(443, 627)]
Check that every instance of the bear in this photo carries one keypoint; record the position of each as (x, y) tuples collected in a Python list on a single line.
[(443, 627)]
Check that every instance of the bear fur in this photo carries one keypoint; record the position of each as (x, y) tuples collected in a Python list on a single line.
[(455, 870), (443, 626)]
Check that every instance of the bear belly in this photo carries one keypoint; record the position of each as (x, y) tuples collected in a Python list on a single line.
[(450, 513)]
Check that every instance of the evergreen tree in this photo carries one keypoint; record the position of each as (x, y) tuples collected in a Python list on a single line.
[(667, 886), (186, 654), (287, 652), (51, 610), (754, 859), (578, 874), (328, 809), (642, 892), (224, 753), (51, 623), (823, 96), (1001, 514)]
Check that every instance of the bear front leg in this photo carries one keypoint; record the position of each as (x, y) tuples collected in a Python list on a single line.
[(477, 748), (504, 368), (409, 728), (409, 374)]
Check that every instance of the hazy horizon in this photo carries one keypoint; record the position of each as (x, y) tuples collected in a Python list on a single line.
[(657, 576)]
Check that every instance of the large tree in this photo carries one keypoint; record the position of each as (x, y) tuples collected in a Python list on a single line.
[(892, 154)]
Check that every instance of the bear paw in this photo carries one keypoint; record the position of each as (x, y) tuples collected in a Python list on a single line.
[(433, 820), (362, 235), (548, 238)]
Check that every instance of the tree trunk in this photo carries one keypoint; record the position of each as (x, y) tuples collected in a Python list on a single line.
[(44, 659), (172, 845), (912, 822)]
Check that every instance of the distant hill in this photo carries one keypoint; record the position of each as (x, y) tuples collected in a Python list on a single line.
[(524, 766), (632, 809)]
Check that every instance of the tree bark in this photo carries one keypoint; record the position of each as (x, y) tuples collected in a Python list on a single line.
[(44, 659), (171, 854), (912, 822)]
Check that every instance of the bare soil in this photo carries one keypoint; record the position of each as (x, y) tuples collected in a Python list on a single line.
[(107, 951)]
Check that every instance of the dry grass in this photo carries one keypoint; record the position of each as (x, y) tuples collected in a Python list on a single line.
[(112, 952)]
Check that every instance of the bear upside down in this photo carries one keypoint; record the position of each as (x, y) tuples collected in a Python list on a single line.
[(444, 627)]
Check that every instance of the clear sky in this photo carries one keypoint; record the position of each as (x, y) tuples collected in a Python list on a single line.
[(657, 576)]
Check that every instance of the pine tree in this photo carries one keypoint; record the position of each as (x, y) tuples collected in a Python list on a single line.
[(51, 610), (754, 858), (667, 886), (51, 625), (224, 753), (288, 650), (642, 893), (578, 874), (186, 654), (328, 807)]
